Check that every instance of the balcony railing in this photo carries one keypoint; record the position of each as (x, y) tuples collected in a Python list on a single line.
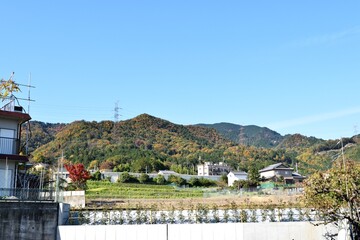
[(9, 145), (26, 194)]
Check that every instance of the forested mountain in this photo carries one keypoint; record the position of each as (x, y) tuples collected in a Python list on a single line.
[(247, 135), (138, 142), (299, 141), (41, 133), (147, 143)]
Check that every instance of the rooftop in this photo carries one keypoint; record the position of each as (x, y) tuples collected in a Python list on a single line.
[(238, 173), (275, 166), (14, 111)]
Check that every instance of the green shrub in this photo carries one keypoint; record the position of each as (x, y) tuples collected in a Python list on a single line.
[(126, 177)]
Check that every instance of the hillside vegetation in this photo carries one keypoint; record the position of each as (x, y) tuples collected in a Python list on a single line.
[(148, 144), (247, 135)]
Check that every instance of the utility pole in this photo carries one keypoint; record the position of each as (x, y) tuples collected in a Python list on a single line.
[(57, 182), (60, 167)]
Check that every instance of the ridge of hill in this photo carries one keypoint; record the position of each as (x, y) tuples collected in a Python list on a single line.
[(250, 135), (140, 137), (147, 143)]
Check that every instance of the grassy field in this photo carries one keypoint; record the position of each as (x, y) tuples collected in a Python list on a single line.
[(103, 194), (102, 189)]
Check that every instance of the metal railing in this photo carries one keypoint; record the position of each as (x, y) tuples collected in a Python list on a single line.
[(9, 145), (26, 194)]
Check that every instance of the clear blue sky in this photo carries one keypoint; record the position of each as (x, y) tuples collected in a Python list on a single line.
[(292, 66)]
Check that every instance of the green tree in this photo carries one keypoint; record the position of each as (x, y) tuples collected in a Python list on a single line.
[(204, 182), (194, 182), (238, 184), (254, 175), (335, 194), (96, 176), (246, 184), (179, 181), (224, 178), (160, 179), (122, 168), (126, 177), (141, 165), (144, 178)]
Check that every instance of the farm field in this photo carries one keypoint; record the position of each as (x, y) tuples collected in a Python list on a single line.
[(101, 189), (102, 194)]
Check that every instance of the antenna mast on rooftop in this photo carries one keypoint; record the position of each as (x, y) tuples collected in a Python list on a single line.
[(28, 99), (14, 104), (28, 110), (29, 86)]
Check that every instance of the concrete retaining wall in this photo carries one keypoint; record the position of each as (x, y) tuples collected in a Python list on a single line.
[(31, 220), (218, 231), (76, 199), (25, 220)]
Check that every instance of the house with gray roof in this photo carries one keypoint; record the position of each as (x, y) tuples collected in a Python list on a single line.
[(278, 171)]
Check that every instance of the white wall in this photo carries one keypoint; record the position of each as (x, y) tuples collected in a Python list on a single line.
[(232, 178), (99, 232), (7, 174), (217, 231), (267, 174), (247, 231), (9, 124)]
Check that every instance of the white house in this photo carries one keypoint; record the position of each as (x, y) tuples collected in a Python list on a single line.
[(11, 119), (276, 171), (210, 169), (236, 176)]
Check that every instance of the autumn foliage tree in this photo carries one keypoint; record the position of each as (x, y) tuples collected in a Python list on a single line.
[(335, 194), (78, 175), (7, 87)]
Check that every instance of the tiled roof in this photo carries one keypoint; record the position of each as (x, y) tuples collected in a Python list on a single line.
[(274, 166), (236, 173)]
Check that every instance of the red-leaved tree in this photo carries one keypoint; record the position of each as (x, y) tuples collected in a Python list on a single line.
[(78, 175)]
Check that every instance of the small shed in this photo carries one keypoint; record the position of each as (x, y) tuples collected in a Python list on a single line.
[(236, 176)]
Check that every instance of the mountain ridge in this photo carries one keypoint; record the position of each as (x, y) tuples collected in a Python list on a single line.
[(155, 143), (247, 135)]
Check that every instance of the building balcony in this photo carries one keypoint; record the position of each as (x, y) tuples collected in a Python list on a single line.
[(9, 146)]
